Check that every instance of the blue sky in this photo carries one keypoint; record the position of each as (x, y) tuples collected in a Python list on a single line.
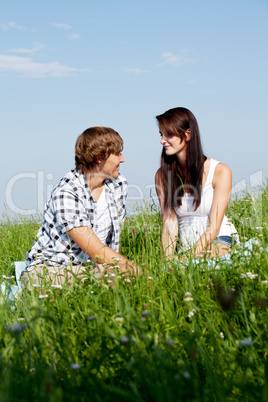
[(69, 65)]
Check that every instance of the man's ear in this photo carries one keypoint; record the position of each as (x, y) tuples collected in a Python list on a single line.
[(188, 134)]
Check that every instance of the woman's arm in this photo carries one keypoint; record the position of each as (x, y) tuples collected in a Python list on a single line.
[(222, 184), (89, 242), (169, 234)]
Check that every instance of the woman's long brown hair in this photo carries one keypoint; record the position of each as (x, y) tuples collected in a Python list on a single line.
[(175, 122)]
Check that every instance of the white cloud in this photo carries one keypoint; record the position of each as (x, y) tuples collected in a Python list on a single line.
[(13, 25), (178, 59), (37, 47), (73, 36), (134, 70), (66, 27), (26, 67)]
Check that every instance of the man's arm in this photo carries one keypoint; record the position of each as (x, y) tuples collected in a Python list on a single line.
[(89, 242)]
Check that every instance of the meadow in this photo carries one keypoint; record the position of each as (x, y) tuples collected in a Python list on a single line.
[(178, 333)]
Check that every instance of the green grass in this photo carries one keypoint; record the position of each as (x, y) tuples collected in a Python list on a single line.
[(145, 339)]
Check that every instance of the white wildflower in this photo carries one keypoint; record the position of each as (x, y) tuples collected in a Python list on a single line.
[(150, 277), (264, 282), (191, 313), (259, 227), (188, 299), (188, 294), (222, 335), (119, 319), (56, 286), (251, 275), (21, 319), (43, 296)]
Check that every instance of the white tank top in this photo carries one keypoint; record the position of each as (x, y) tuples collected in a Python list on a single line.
[(103, 219), (192, 224)]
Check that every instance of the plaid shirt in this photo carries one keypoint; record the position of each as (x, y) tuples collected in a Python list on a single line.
[(72, 205)]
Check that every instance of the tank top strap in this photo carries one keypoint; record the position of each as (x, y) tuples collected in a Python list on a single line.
[(212, 167)]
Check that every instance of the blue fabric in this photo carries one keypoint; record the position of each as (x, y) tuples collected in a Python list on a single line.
[(213, 263), (225, 240), (20, 267), (9, 291)]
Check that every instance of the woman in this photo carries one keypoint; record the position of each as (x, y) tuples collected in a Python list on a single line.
[(193, 190), (83, 216)]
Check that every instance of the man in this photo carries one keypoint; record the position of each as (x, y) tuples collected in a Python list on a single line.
[(83, 216)]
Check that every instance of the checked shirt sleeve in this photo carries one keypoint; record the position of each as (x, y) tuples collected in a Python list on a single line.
[(70, 210), (121, 198)]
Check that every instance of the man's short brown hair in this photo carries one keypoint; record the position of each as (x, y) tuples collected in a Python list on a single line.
[(94, 145)]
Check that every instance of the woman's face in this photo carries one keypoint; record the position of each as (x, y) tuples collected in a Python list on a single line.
[(173, 144)]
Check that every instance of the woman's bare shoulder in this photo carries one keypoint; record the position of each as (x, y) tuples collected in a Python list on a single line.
[(222, 169), (222, 174)]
